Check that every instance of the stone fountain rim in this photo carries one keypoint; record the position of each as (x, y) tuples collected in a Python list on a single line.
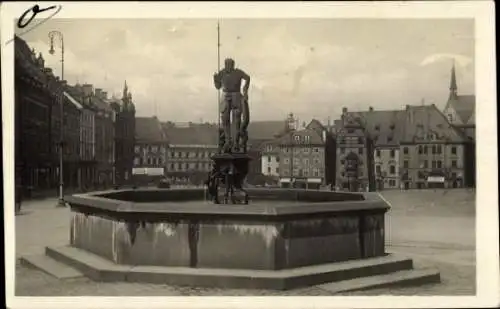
[(93, 201)]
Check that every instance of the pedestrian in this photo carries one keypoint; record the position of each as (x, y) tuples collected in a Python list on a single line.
[(18, 198)]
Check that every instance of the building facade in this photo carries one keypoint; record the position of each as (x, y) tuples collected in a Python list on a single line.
[(150, 150), (36, 158), (302, 159), (270, 159), (431, 150), (354, 157), (189, 153)]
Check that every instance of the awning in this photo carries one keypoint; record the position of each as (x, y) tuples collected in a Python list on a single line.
[(314, 180), (435, 179), (149, 171), (285, 180)]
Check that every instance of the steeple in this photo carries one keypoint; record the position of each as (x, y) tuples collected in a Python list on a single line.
[(453, 83), (125, 91)]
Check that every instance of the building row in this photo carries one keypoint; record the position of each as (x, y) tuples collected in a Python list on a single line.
[(93, 135), (416, 147)]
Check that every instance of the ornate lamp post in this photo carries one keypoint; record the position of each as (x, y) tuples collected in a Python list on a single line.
[(52, 35)]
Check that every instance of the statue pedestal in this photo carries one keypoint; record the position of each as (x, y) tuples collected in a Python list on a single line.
[(232, 169)]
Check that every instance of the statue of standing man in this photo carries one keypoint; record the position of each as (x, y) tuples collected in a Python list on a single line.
[(235, 104)]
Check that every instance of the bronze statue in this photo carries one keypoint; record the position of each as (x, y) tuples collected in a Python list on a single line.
[(229, 79)]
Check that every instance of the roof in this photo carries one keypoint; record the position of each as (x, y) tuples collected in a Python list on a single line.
[(384, 127), (194, 134), (149, 129), (424, 121), (265, 130), (72, 100), (464, 106), (314, 137)]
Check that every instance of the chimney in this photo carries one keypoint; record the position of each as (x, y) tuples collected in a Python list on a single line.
[(371, 108), (97, 92), (88, 90)]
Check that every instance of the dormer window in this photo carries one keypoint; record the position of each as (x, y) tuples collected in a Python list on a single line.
[(450, 117), (297, 138)]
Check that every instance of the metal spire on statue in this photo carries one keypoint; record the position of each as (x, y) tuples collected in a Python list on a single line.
[(218, 90)]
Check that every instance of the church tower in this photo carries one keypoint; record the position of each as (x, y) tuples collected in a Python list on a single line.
[(453, 84)]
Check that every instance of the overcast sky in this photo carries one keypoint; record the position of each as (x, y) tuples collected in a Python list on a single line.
[(311, 67)]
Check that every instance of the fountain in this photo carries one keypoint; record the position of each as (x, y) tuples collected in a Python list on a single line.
[(231, 237)]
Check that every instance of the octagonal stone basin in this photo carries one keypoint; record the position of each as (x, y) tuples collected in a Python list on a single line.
[(279, 229)]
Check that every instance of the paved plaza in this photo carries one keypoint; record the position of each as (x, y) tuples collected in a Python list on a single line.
[(435, 228)]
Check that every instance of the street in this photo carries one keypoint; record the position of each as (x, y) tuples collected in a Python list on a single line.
[(419, 225)]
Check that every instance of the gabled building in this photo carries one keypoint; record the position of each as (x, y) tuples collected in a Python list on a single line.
[(460, 111), (431, 150), (354, 157), (301, 159), (384, 128)]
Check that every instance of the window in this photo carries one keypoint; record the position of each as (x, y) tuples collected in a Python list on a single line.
[(360, 150), (420, 150), (269, 170), (269, 159), (307, 139), (392, 169), (426, 164), (378, 169), (296, 150), (297, 138), (136, 161), (305, 173), (433, 164), (439, 164), (405, 164), (137, 149), (405, 150), (392, 183), (433, 149), (187, 154), (306, 150), (453, 163), (160, 161), (269, 148), (179, 154), (172, 166), (306, 162), (179, 166), (342, 162), (315, 172), (438, 149), (278, 159), (393, 153), (149, 161), (154, 149), (377, 153), (277, 170), (453, 150), (315, 149), (424, 149)]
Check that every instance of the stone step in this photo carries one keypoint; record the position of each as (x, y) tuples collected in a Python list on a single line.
[(50, 266), (400, 278), (101, 269)]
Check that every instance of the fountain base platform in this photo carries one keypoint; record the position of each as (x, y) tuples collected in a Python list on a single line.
[(284, 239)]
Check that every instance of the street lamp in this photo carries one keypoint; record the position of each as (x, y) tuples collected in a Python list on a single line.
[(52, 35)]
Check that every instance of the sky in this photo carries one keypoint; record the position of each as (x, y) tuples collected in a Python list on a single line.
[(310, 67)]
